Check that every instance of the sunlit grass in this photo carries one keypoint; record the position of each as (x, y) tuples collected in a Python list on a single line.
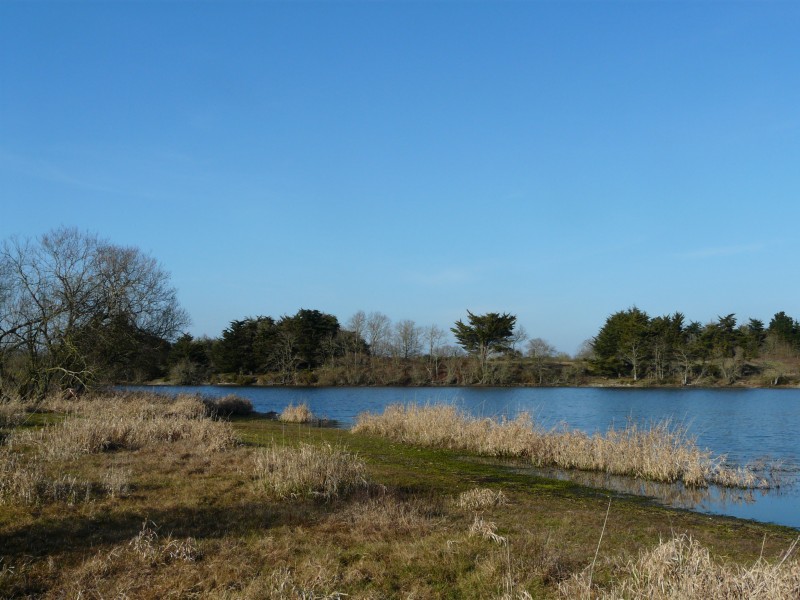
[(661, 452)]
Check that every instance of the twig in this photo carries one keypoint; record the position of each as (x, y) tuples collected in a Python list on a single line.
[(597, 551)]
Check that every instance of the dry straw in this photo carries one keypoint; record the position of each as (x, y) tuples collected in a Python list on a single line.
[(324, 472), (682, 569), (663, 452), (131, 422), (297, 414), (481, 499)]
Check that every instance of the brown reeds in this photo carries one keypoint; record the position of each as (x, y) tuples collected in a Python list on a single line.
[(299, 413), (323, 472), (663, 452), (130, 422), (481, 499), (682, 569)]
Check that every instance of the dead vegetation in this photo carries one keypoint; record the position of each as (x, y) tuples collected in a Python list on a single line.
[(663, 452), (681, 568), (299, 413), (313, 471)]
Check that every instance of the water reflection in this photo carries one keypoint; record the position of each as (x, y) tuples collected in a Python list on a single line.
[(713, 499)]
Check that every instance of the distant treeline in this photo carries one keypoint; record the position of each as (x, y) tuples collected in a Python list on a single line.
[(77, 311), (312, 348)]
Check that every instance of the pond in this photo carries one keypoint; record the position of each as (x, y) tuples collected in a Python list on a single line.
[(749, 426)]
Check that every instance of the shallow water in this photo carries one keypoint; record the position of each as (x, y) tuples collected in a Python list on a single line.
[(749, 426)]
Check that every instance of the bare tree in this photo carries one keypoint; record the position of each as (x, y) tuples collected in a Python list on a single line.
[(518, 336), (407, 339), (432, 336), (540, 352), (75, 308), (378, 328)]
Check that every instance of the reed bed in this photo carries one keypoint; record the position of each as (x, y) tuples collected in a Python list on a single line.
[(682, 569), (663, 452), (296, 414), (322, 472), (130, 422)]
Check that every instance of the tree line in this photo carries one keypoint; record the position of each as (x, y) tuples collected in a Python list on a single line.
[(77, 311), (631, 344), (312, 347)]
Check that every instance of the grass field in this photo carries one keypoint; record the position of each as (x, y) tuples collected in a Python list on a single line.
[(139, 497)]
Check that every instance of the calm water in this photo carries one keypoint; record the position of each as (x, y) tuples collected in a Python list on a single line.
[(746, 425)]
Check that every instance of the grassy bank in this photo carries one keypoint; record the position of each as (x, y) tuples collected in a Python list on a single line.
[(255, 508), (662, 452)]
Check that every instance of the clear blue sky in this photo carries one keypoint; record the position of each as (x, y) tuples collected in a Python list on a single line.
[(556, 160)]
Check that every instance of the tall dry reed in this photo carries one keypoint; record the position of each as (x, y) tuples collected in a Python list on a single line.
[(296, 414), (682, 569), (324, 472), (130, 422), (662, 452)]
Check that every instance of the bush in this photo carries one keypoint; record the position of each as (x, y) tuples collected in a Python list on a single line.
[(228, 406)]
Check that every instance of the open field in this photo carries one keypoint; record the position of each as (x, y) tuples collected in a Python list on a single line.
[(142, 498)]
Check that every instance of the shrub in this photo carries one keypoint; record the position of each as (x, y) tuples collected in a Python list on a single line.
[(229, 406)]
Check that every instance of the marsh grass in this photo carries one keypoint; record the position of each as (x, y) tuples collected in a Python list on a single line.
[(129, 422), (681, 568), (663, 452), (299, 413), (309, 471)]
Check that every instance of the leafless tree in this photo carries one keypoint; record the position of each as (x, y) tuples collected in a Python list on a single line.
[(432, 336), (518, 336), (407, 339), (540, 352), (74, 307), (378, 329)]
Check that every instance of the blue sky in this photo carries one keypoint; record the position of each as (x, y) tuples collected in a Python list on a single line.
[(556, 160)]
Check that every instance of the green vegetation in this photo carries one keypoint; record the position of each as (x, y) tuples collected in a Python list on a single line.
[(665, 349), (292, 511)]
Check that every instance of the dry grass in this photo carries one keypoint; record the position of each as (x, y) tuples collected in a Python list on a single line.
[(150, 547), (662, 452), (682, 569), (12, 413), (481, 499), (296, 414), (486, 530), (130, 422), (325, 472)]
